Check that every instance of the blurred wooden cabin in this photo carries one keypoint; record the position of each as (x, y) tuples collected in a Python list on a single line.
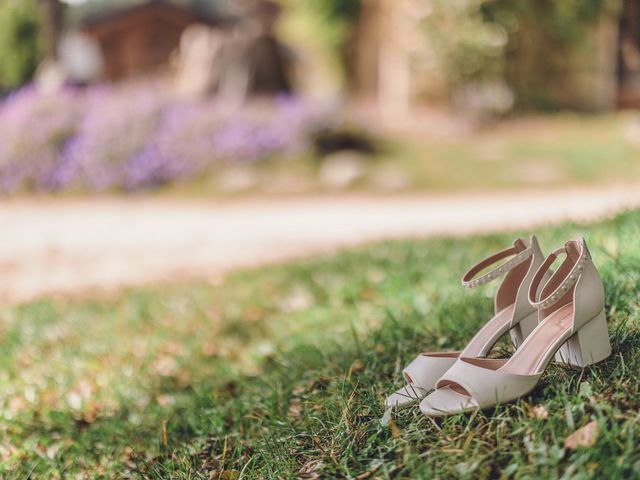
[(142, 38), (237, 52)]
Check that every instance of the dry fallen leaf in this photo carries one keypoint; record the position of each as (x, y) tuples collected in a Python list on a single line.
[(17, 404), (165, 400), (230, 475), (52, 450), (583, 437), (356, 366), (209, 349), (164, 365), (395, 431), (309, 469), (539, 412), (295, 408), (368, 294), (299, 390)]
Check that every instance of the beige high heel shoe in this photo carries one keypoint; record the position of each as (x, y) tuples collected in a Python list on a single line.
[(513, 314), (572, 326)]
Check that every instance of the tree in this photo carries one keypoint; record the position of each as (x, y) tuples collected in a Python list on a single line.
[(21, 46), (51, 13)]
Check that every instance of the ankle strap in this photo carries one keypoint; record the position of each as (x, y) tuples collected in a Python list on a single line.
[(569, 281), (468, 280)]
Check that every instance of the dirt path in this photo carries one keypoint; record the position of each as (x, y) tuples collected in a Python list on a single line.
[(75, 246)]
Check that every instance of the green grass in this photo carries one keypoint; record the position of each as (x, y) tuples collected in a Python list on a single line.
[(552, 150), (281, 373), (542, 151)]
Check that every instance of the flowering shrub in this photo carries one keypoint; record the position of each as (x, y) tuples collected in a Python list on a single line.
[(115, 127), (253, 134), (33, 130), (132, 138)]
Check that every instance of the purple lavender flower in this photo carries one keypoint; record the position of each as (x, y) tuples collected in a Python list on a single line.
[(132, 137), (116, 126), (33, 128), (264, 129)]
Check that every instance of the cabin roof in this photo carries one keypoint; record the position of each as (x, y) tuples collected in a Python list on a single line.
[(114, 12)]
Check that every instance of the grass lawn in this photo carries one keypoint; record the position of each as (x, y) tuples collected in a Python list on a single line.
[(549, 150), (281, 373), (541, 151)]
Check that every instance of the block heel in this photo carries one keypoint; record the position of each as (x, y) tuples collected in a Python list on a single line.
[(588, 345), (522, 330)]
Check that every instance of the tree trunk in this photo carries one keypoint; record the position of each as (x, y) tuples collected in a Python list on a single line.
[(51, 12)]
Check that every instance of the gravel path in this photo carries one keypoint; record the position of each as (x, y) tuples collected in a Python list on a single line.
[(87, 245)]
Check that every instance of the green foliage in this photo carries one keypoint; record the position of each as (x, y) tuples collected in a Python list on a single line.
[(20, 42), (329, 23), (526, 42), (467, 46), (548, 44), (563, 21), (333, 10), (550, 150), (281, 373), (335, 18)]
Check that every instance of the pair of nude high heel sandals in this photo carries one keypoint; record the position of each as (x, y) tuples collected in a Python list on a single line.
[(547, 314)]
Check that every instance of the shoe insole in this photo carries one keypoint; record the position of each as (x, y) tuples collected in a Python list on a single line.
[(489, 333), (535, 351)]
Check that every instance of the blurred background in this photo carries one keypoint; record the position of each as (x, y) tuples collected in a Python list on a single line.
[(247, 117), (155, 153)]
